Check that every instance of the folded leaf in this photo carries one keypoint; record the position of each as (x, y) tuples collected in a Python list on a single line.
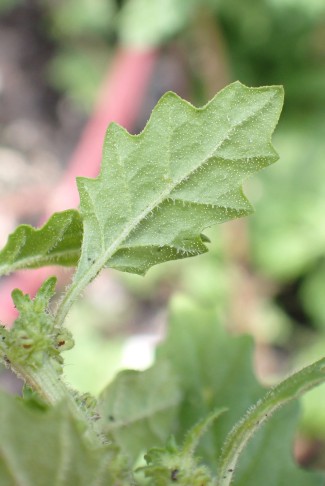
[(58, 242), (158, 190)]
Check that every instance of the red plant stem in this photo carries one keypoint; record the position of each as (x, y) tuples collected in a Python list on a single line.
[(119, 100)]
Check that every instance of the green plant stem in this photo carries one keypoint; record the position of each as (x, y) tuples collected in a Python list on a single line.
[(74, 290), (289, 389), (46, 382)]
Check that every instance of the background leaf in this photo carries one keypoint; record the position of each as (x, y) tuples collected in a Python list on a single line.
[(139, 408), (58, 242), (152, 22), (47, 447)]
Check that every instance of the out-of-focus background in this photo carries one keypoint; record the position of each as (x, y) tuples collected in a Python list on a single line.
[(69, 67)]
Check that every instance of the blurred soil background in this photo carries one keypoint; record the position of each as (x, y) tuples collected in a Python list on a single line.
[(265, 274)]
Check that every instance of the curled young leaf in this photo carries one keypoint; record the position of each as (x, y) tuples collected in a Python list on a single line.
[(58, 242)]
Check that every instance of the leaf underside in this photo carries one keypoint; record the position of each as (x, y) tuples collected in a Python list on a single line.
[(58, 242), (158, 190)]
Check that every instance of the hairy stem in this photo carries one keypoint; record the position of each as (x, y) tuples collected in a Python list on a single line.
[(46, 382), (289, 389), (74, 290)]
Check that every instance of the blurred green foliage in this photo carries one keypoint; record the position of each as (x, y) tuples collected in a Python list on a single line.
[(80, 18), (278, 42), (6, 5)]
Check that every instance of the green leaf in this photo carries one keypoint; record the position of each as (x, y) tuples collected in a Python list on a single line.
[(58, 242), (158, 190), (168, 465), (47, 447), (195, 434), (139, 408), (215, 370)]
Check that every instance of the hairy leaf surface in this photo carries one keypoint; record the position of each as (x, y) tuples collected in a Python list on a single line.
[(58, 242), (158, 190), (40, 447)]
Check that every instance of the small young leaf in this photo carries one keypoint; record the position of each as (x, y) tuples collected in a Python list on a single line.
[(32, 347), (138, 409), (40, 447), (169, 464), (32, 335), (58, 242), (40, 303)]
